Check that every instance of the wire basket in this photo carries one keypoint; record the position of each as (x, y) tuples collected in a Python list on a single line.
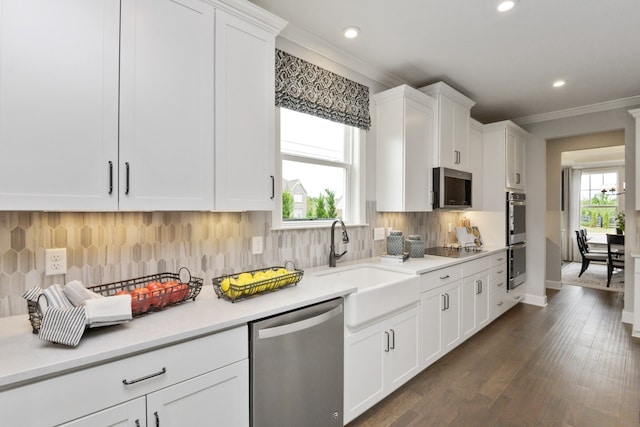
[(233, 287), (174, 288)]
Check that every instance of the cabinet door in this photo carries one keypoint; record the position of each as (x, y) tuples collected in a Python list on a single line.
[(245, 115), (476, 167), (363, 370), (166, 105), (454, 134), (514, 148), (451, 330), (220, 397), (475, 303), (403, 362), (446, 119), (419, 134), (58, 104), (128, 414), (432, 306)]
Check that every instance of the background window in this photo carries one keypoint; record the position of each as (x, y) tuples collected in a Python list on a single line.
[(599, 201)]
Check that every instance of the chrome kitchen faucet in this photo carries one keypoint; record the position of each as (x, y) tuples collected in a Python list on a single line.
[(345, 239)]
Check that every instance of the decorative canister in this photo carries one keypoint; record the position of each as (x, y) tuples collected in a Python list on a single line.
[(415, 246), (395, 243)]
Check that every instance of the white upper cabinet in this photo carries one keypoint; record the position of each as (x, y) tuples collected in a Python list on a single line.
[(59, 104), (166, 105), (405, 137), (136, 105), (476, 165), (504, 160), (514, 156), (245, 115), (451, 149)]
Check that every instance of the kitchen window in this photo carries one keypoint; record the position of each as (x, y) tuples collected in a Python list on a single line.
[(320, 168)]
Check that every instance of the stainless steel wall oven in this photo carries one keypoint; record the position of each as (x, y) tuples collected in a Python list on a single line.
[(516, 239)]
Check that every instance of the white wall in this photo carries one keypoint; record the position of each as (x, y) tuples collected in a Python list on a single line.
[(543, 222)]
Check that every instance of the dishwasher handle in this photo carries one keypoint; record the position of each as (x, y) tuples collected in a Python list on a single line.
[(290, 328)]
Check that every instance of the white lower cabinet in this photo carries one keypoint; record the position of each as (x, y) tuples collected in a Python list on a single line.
[(440, 313), (378, 359), (475, 296), (475, 303), (192, 402), (204, 381)]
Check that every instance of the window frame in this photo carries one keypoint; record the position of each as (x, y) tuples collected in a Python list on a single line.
[(354, 186)]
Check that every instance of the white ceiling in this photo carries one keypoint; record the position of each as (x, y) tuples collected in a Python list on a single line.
[(505, 62)]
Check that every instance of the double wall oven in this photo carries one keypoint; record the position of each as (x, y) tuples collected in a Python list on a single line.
[(516, 239)]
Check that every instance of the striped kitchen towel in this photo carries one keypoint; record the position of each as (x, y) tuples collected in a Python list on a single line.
[(63, 325), (56, 297)]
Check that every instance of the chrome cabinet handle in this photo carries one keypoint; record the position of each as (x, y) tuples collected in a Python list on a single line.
[(386, 349), (500, 303), (137, 423), (146, 377), (157, 418), (444, 277), (290, 328), (517, 178), (500, 284), (393, 339), (444, 302), (273, 187), (501, 271), (110, 177), (516, 297), (456, 157), (478, 287), (126, 191), (499, 259)]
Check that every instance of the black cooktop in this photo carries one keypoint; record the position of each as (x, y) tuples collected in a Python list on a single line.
[(453, 251)]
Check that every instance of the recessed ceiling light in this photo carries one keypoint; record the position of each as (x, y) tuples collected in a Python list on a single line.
[(506, 5), (559, 83), (351, 32)]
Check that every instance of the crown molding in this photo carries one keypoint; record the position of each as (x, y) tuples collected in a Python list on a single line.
[(321, 47), (578, 111)]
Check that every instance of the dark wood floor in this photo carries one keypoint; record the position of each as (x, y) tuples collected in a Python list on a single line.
[(572, 363)]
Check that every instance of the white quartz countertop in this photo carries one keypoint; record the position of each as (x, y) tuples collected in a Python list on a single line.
[(25, 358)]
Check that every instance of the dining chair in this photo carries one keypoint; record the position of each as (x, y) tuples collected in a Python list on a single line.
[(586, 255), (615, 254)]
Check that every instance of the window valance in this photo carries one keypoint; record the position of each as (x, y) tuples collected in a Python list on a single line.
[(307, 88)]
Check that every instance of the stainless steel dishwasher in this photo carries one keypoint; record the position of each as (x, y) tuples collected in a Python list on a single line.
[(297, 367)]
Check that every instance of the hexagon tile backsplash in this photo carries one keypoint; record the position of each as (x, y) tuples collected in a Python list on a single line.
[(108, 247)]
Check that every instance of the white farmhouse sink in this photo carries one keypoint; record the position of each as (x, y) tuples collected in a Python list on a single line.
[(380, 291)]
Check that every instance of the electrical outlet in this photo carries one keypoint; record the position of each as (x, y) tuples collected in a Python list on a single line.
[(378, 233), (256, 245), (55, 261)]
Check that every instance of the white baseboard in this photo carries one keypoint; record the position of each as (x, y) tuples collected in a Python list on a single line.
[(552, 284), (627, 317), (540, 301)]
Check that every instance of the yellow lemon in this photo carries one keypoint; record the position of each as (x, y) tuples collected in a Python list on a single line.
[(225, 284)]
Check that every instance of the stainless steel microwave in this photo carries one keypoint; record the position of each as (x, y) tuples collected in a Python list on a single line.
[(451, 189)]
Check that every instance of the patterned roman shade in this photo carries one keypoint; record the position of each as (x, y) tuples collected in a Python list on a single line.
[(307, 88)]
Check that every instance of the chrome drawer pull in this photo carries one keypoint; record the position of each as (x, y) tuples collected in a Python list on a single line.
[(137, 380), (501, 271), (500, 303), (444, 277)]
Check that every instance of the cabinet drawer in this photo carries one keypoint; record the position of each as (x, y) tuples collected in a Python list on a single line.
[(499, 258), (498, 278), (93, 389), (440, 277), (499, 303)]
